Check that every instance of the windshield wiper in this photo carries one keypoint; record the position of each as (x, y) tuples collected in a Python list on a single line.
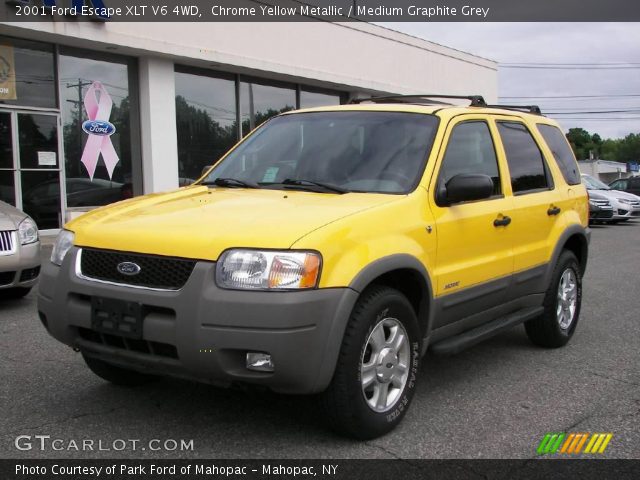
[(310, 183), (232, 182)]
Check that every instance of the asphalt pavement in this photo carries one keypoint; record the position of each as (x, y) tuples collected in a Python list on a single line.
[(495, 400)]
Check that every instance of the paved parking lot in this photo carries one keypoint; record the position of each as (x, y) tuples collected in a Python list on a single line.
[(495, 400)]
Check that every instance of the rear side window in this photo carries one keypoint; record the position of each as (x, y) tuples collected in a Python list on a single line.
[(561, 150), (525, 160), (471, 150)]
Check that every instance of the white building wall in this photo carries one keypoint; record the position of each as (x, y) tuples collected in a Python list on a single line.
[(350, 55)]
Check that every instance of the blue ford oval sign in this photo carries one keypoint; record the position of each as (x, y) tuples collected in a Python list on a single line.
[(128, 268), (99, 127)]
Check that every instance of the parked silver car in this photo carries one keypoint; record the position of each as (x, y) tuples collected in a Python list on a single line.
[(625, 205), (19, 252)]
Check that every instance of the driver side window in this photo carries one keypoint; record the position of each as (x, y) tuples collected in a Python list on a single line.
[(471, 151)]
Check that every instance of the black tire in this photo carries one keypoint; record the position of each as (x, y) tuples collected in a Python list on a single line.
[(117, 375), (14, 293), (344, 402), (546, 330)]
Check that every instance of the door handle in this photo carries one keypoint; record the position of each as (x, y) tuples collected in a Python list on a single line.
[(502, 222), (553, 211)]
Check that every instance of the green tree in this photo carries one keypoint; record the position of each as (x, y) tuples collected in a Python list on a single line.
[(629, 148), (580, 141), (609, 149)]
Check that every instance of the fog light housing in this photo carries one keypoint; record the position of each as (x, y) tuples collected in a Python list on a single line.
[(259, 362)]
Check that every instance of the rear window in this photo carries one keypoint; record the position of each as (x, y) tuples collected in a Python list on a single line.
[(525, 160), (561, 150)]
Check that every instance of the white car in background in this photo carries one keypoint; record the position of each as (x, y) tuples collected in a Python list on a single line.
[(19, 252), (625, 205)]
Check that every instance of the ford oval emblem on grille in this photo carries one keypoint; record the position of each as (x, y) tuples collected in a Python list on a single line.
[(129, 268)]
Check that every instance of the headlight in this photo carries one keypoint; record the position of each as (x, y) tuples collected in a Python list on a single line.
[(63, 243), (268, 270), (623, 200), (28, 231)]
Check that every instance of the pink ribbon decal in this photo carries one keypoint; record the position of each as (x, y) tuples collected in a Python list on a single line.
[(99, 110)]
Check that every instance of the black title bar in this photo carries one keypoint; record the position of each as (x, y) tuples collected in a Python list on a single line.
[(324, 10), (318, 469)]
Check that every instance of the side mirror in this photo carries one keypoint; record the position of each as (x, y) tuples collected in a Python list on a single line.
[(465, 187)]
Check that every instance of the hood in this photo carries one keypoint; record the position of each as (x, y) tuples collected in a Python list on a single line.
[(613, 194), (627, 195), (10, 217), (593, 195), (201, 222)]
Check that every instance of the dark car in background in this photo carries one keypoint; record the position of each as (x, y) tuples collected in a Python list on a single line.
[(629, 185)]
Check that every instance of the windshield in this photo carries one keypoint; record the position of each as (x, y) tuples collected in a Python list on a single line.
[(593, 183), (383, 152)]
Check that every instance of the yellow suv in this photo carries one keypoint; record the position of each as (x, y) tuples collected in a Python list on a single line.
[(328, 251)]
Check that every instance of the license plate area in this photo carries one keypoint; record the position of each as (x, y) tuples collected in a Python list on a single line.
[(117, 317)]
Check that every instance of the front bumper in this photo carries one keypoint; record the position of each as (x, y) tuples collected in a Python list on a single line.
[(597, 213), (22, 268), (624, 211), (202, 332)]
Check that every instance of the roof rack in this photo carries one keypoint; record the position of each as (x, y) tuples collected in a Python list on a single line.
[(535, 109), (476, 100)]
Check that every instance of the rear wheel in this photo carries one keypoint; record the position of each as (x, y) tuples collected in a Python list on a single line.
[(555, 327), (377, 368), (117, 375)]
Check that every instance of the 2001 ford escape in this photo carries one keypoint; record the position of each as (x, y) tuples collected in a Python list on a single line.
[(328, 251)]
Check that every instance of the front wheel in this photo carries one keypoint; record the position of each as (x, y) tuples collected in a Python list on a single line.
[(562, 301), (377, 368)]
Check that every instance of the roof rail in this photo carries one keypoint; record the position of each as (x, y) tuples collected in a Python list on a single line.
[(476, 100), (535, 109)]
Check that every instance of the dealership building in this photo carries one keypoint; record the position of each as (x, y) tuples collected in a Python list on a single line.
[(93, 112)]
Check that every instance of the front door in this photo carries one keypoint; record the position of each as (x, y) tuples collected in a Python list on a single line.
[(475, 255), (30, 167)]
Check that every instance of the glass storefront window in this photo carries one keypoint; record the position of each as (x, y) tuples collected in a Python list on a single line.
[(27, 74), (206, 122), (310, 99), (41, 197), (38, 141), (39, 168), (260, 102), (97, 89)]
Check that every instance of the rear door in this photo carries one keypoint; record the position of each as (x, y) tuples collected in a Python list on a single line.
[(474, 257), (538, 202)]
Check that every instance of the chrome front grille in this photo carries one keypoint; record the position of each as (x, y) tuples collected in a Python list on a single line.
[(602, 203), (7, 243)]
